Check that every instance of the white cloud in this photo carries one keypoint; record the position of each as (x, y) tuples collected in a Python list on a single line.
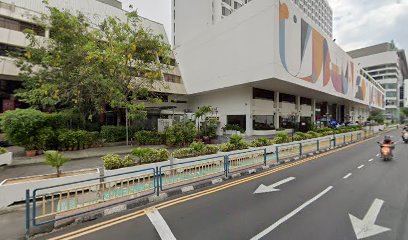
[(367, 22)]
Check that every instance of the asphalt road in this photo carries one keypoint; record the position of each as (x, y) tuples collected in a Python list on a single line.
[(316, 205)]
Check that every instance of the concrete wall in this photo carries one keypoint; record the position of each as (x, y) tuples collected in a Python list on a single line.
[(262, 41)]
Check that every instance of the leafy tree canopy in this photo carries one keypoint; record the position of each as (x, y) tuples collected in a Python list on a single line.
[(89, 67)]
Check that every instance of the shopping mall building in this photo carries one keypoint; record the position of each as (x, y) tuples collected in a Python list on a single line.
[(262, 64)]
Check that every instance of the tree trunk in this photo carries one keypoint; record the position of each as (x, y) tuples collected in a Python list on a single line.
[(58, 172)]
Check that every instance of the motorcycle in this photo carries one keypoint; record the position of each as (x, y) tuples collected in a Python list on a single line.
[(405, 136), (386, 151)]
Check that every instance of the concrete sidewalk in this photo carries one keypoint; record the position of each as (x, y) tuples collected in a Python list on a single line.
[(74, 155)]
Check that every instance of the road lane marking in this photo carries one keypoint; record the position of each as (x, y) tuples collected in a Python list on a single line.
[(347, 176), (366, 227), (272, 188), (160, 224), (108, 223), (361, 166), (371, 160), (378, 155), (291, 214)]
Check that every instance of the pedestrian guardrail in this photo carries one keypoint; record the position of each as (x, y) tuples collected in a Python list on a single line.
[(50, 201), (59, 202), (247, 159), (176, 175)]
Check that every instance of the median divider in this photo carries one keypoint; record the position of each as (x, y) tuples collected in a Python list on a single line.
[(52, 206)]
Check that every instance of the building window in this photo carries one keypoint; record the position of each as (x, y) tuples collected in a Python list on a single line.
[(237, 5), (172, 78), (263, 94), (9, 50), (263, 122), (226, 11), (305, 101), (239, 120), (287, 98), (227, 2), (286, 122), (20, 26)]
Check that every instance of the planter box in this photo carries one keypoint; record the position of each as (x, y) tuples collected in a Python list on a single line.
[(6, 158), (13, 190), (129, 172)]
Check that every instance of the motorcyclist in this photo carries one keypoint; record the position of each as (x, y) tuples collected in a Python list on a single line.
[(389, 143)]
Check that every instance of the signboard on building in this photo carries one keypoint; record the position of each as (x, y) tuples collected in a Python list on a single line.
[(162, 124)]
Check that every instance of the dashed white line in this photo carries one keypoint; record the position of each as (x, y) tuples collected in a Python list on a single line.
[(347, 176), (371, 160), (290, 215), (361, 166), (378, 155), (160, 224)]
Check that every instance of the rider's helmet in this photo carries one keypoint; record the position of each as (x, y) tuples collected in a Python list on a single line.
[(387, 139)]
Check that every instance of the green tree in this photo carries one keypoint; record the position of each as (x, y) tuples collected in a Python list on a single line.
[(89, 66), (200, 113), (377, 116), (55, 159), (404, 113)]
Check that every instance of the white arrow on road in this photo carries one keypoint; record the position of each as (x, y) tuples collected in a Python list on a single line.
[(272, 188), (366, 228)]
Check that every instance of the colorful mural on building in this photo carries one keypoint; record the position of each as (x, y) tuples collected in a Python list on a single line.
[(309, 56)]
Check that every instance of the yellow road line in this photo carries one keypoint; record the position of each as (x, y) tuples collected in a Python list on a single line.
[(124, 218)]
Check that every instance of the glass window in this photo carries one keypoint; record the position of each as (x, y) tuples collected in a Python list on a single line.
[(17, 25), (305, 101), (286, 122), (263, 94), (287, 98), (7, 50), (239, 120), (263, 122)]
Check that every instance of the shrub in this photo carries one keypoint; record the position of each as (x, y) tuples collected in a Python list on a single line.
[(21, 127), (112, 161), (261, 142), (181, 134), (46, 139), (281, 137), (197, 146), (298, 137), (236, 142), (184, 153), (233, 127), (151, 155), (313, 134), (211, 149), (3, 150), (113, 133), (149, 138), (128, 161)]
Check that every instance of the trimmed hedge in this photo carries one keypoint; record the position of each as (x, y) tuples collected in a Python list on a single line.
[(149, 138)]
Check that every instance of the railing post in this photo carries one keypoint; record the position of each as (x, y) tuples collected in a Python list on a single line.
[(277, 154), (351, 137), (264, 156), (318, 145), (344, 140), (157, 179), (226, 160), (27, 215), (300, 150)]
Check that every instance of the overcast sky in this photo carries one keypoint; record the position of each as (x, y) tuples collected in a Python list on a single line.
[(357, 23)]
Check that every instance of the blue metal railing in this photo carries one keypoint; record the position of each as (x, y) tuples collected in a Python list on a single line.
[(150, 181)]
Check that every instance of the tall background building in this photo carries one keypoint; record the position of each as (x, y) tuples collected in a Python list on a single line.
[(192, 17), (388, 65)]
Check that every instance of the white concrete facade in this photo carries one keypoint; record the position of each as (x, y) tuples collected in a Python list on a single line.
[(383, 62), (274, 46), (405, 93), (191, 17)]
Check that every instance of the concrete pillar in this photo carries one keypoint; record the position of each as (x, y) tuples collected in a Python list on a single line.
[(47, 33), (313, 111), (277, 110), (297, 109)]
